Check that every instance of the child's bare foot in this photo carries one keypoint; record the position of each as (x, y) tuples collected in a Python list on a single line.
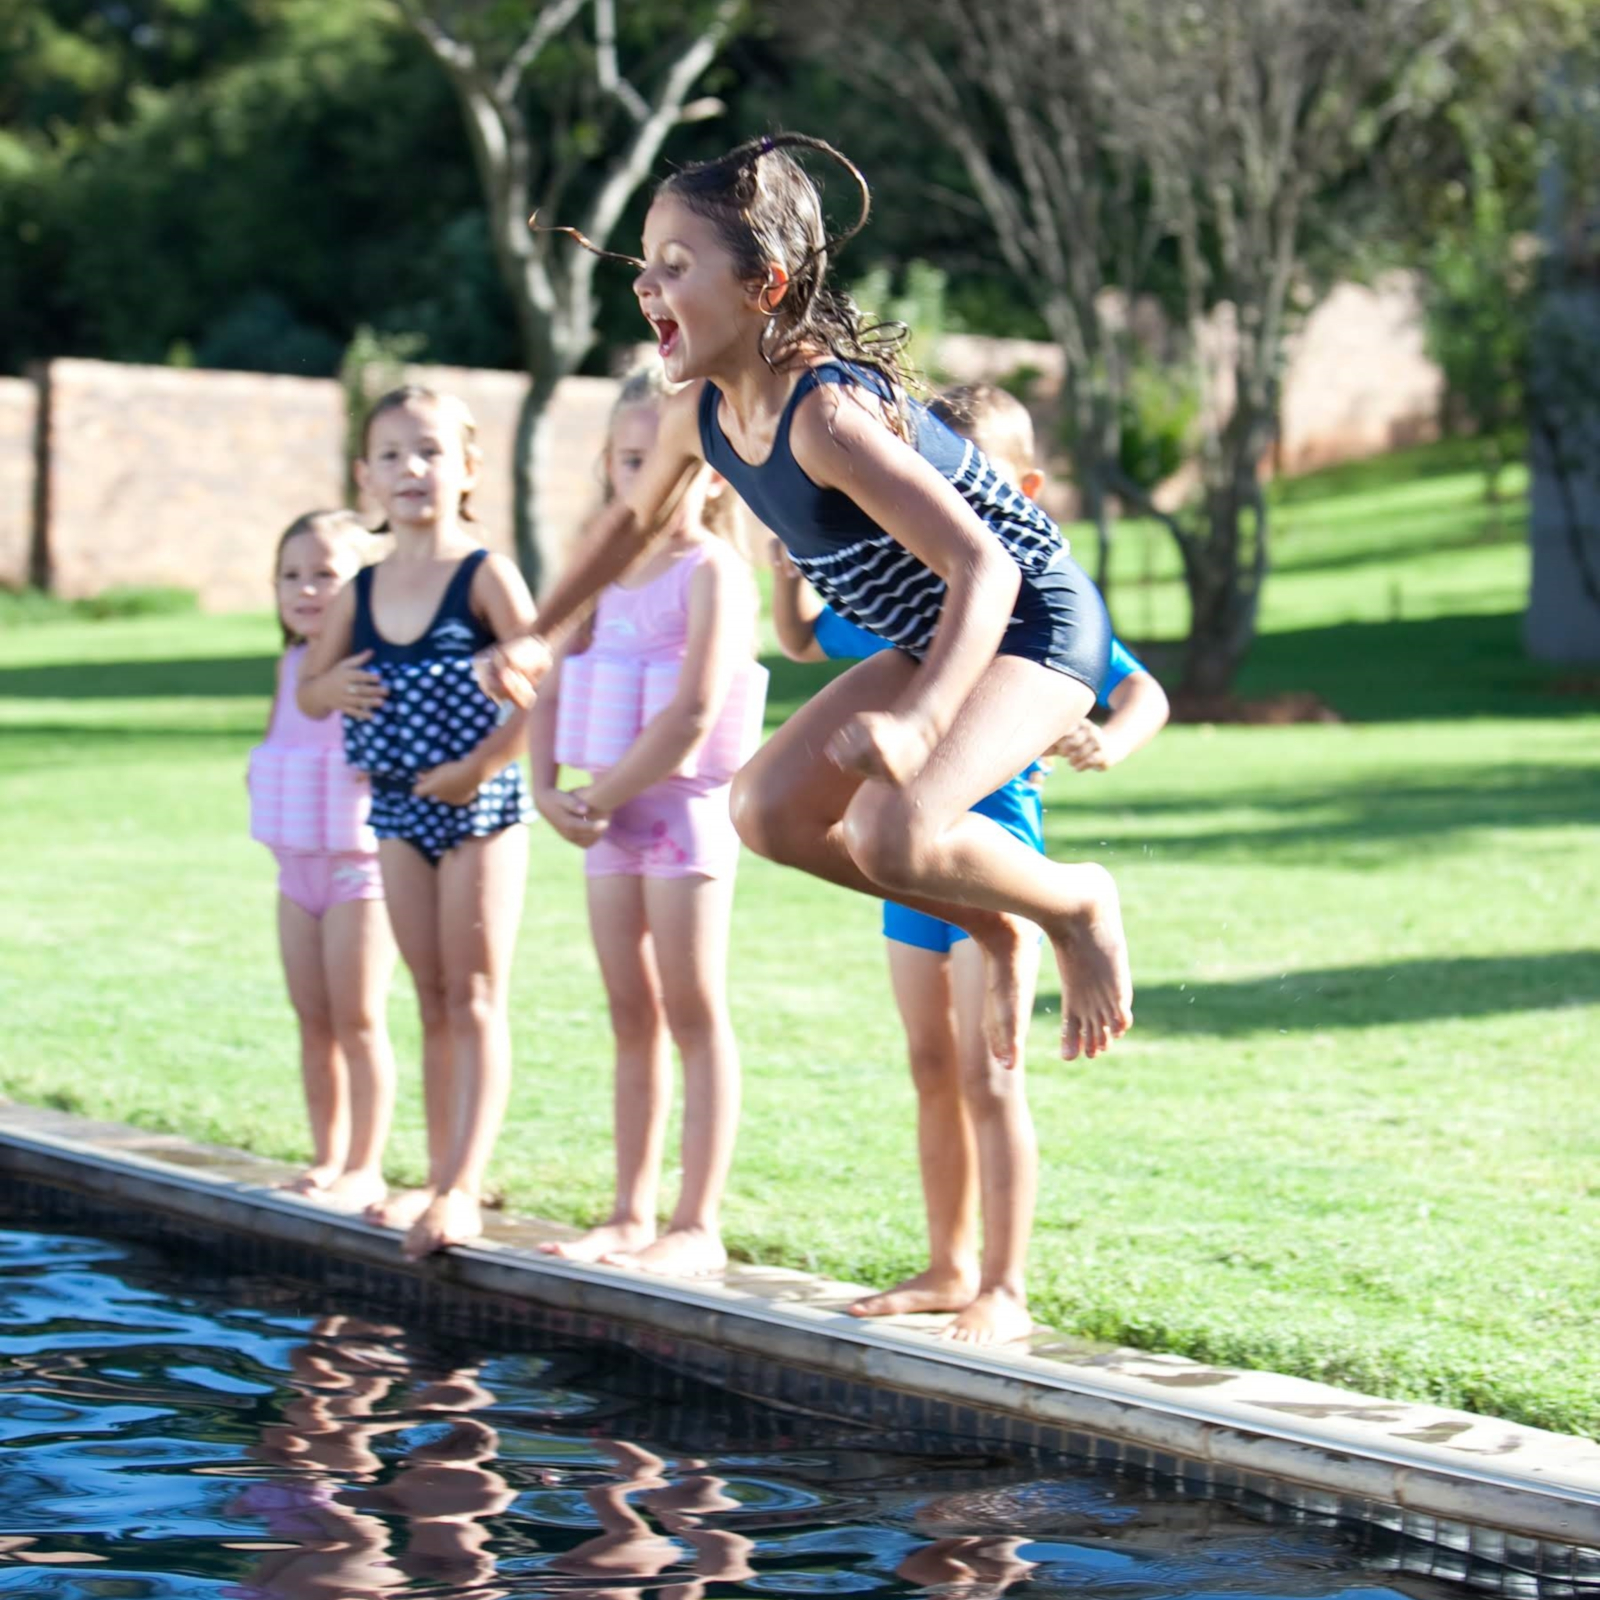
[(678, 1253), (357, 1190), (313, 1180), (927, 1291), (399, 1210), (1004, 942), (1092, 955), (996, 1317), (610, 1238), (452, 1217)]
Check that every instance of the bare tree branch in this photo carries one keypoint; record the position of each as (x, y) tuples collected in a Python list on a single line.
[(550, 21), (611, 80)]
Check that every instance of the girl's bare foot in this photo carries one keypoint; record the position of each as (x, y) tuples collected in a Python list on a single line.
[(996, 1316), (1004, 940), (452, 1217), (399, 1210), (313, 1180), (610, 1238), (927, 1291), (1092, 955), (678, 1253), (357, 1190)]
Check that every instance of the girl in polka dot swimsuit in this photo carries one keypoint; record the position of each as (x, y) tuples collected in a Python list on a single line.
[(448, 798)]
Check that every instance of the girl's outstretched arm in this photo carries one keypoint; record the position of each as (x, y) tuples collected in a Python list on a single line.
[(842, 444), (331, 679), (1139, 711), (721, 615), (608, 547), (500, 596)]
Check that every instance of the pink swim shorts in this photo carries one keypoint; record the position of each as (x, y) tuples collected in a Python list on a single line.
[(675, 829), (318, 880)]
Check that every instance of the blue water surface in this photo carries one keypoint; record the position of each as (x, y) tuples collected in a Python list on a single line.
[(202, 1434)]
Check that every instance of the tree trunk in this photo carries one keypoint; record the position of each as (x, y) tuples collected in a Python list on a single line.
[(527, 469)]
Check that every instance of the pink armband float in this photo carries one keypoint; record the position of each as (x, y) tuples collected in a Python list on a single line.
[(606, 701), (302, 798)]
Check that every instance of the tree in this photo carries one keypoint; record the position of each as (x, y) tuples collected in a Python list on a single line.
[(1121, 148), (590, 145)]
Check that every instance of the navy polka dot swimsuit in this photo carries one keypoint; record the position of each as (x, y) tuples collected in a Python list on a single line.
[(435, 713)]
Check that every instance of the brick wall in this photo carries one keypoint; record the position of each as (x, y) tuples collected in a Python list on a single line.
[(163, 476), (18, 410)]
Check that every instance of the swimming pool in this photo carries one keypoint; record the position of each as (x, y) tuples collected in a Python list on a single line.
[(175, 1428)]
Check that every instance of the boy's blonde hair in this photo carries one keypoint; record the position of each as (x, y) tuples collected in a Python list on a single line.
[(341, 528), (993, 419)]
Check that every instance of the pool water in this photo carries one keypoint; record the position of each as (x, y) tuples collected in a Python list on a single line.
[(180, 1434)]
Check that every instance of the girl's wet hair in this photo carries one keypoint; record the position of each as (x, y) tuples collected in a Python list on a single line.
[(766, 208), (447, 405), (338, 527)]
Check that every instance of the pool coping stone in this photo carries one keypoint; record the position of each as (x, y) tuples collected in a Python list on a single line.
[(1425, 1459)]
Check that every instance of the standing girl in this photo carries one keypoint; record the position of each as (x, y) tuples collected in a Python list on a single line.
[(311, 810), (660, 706), (448, 799), (903, 528)]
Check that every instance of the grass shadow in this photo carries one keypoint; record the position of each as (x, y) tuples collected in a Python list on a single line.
[(203, 678), (1327, 998)]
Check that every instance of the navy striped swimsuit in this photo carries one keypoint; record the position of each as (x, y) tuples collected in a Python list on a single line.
[(436, 712), (866, 575)]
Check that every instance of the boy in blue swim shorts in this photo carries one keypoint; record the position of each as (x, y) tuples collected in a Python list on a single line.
[(975, 1139)]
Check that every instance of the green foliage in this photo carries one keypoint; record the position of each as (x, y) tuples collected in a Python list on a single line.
[(21, 607), (1159, 408), (372, 364), (920, 304)]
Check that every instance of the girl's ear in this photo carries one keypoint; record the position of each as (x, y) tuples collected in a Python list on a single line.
[(473, 457), (362, 475), (770, 295)]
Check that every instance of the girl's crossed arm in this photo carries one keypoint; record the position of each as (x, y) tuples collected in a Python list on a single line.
[(721, 611), (841, 444), (795, 607), (331, 680), (559, 807), (500, 596), (610, 545)]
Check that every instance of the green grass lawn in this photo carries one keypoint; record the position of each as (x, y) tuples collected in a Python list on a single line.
[(1353, 1135)]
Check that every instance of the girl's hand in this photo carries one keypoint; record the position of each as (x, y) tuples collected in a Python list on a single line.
[(569, 816), (454, 782), (1086, 749), (885, 745), (354, 692), (513, 670)]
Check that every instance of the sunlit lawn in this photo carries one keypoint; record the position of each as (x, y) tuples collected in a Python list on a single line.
[(1354, 1134)]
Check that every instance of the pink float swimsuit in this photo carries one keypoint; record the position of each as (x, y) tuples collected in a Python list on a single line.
[(308, 807), (679, 827)]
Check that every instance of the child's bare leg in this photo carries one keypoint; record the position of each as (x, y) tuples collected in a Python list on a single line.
[(642, 1085), (923, 840), (790, 801), (689, 919), (1008, 1160), (945, 1155), (322, 1070), (358, 962), (411, 892), (481, 888)]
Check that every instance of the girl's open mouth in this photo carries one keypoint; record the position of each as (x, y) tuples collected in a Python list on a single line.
[(666, 335)]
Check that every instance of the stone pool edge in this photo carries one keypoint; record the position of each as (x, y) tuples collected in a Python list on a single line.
[(1427, 1460)]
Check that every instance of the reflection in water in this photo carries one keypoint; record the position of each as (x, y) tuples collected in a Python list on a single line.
[(163, 1439)]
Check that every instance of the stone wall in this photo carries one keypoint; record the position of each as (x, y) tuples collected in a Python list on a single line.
[(18, 413), (164, 476)]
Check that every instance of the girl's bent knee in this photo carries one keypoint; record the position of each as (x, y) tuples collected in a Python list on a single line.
[(888, 840)]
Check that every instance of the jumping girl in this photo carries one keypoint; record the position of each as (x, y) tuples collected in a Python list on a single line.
[(660, 700), (903, 528), (448, 797), (311, 810)]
